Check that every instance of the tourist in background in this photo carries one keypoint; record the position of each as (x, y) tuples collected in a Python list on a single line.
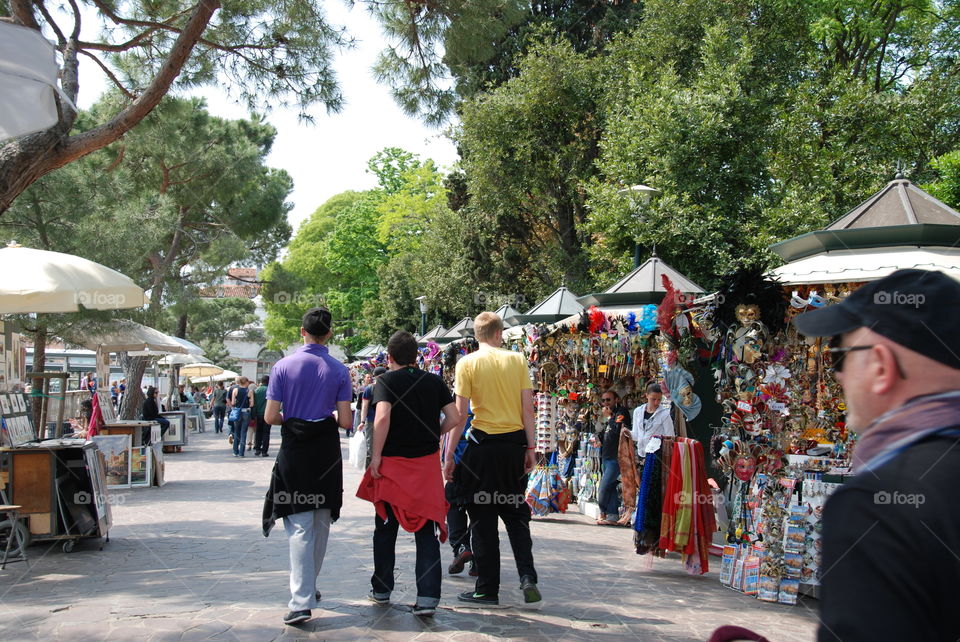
[(262, 442), (218, 403)]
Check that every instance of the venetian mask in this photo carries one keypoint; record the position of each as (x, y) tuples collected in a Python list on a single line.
[(747, 314), (744, 467)]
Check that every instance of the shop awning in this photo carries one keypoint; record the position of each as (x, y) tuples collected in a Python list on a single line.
[(841, 266)]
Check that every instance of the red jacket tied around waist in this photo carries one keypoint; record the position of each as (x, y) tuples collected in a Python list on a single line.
[(414, 489)]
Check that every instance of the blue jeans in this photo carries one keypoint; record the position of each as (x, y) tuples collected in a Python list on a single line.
[(218, 414), (608, 499), (240, 433), (428, 573)]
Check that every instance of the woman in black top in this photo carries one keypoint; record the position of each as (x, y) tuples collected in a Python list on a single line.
[(151, 412), (219, 404)]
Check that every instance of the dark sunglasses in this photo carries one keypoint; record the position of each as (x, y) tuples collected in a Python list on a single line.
[(838, 352)]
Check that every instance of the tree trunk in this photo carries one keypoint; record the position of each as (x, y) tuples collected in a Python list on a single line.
[(133, 369), (39, 363)]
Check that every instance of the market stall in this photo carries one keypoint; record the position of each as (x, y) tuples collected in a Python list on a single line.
[(782, 445), (59, 483)]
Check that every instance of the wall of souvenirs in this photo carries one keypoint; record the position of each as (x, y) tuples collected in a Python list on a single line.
[(751, 477)]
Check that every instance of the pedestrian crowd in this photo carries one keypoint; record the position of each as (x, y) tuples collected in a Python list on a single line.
[(446, 466)]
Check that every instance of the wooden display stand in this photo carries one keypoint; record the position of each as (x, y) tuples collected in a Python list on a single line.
[(62, 490)]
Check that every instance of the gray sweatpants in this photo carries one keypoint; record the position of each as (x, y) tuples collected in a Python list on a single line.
[(308, 532)]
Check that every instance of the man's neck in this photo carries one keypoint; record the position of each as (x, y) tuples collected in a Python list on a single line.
[(491, 344)]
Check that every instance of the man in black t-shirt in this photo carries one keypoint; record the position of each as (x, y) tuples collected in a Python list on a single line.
[(404, 479)]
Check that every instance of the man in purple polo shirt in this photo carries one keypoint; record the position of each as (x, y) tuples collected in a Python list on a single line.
[(309, 397)]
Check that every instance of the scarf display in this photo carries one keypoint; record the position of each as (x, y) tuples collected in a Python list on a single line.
[(629, 480), (688, 521)]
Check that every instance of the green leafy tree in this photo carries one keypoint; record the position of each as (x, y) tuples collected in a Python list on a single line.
[(528, 146), (760, 125), (338, 270), (947, 185), (265, 53), (184, 196), (449, 51)]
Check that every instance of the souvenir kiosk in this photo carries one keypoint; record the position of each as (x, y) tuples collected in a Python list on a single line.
[(782, 444)]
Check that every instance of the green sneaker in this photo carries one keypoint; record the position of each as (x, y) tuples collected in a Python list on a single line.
[(530, 591)]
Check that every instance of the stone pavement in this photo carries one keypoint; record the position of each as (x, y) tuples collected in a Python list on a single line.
[(188, 562)]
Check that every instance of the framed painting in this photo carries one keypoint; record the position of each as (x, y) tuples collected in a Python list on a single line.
[(141, 469), (116, 456), (177, 433)]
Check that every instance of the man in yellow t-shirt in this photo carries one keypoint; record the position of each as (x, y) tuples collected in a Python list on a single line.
[(494, 468)]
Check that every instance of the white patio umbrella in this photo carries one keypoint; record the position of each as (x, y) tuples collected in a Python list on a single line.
[(200, 370), (122, 335), (226, 375), (181, 359), (40, 281)]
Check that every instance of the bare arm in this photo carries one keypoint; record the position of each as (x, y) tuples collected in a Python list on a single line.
[(381, 426), (271, 414), (529, 423), (529, 417), (453, 437), (364, 407), (451, 418), (344, 416)]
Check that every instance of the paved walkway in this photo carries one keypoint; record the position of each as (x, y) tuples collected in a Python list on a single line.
[(188, 562)]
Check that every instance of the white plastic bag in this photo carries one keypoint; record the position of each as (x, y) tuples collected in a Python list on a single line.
[(358, 450)]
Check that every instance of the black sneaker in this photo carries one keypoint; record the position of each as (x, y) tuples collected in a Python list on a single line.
[(425, 611), (530, 591), (464, 556), (473, 572), (479, 598), (296, 617), (317, 595), (378, 598)]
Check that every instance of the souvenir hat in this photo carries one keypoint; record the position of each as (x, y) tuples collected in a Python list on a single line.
[(917, 309)]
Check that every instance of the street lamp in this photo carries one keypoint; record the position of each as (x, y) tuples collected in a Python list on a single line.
[(640, 195), (422, 300)]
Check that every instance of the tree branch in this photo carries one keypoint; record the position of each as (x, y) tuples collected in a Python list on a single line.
[(84, 143), (22, 11), (109, 74), (123, 46), (61, 39)]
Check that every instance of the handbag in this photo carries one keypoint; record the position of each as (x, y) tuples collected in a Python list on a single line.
[(234, 414)]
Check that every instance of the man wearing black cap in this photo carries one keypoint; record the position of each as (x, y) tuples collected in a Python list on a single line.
[(891, 535), (309, 396)]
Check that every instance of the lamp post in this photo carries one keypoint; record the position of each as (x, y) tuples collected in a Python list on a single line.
[(640, 195), (422, 300)]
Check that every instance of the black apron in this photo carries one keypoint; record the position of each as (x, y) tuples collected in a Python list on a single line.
[(308, 473)]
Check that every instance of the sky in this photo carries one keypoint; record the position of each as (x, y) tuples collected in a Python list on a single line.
[(329, 156)]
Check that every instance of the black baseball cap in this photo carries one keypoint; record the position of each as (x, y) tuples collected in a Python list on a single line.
[(317, 321), (918, 309)]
